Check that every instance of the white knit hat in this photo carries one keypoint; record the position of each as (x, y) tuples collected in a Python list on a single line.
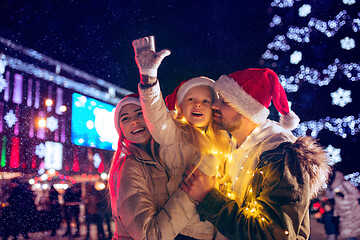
[(174, 100), (131, 98), (250, 92)]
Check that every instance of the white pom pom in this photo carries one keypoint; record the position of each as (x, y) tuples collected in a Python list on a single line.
[(289, 121)]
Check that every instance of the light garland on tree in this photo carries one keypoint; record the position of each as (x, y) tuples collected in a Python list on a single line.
[(283, 3), (319, 77), (314, 76), (338, 126), (354, 178)]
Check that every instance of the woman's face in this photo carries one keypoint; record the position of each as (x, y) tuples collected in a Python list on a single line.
[(196, 106), (132, 125)]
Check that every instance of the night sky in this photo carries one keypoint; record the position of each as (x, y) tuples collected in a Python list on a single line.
[(208, 38)]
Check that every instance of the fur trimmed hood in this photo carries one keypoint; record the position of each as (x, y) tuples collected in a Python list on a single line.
[(315, 160)]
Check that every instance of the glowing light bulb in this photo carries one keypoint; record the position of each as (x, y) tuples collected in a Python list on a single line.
[(42, 123), (48, 102), (63, 108)]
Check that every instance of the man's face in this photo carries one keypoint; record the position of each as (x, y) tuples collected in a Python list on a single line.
[(225, 116)]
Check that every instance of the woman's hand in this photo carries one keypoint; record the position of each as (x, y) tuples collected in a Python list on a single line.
[(196, 184)]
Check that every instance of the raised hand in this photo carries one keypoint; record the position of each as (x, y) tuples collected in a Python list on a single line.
[(147, 60)]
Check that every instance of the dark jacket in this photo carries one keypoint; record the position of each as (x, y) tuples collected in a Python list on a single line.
[(330, 223), (276, 204)]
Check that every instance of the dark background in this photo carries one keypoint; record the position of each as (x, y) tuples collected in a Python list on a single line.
[(208, 38)]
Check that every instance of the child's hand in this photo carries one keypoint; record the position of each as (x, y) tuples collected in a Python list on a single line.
[(146, 58)]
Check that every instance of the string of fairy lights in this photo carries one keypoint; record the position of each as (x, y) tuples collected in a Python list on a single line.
[(344, 24)]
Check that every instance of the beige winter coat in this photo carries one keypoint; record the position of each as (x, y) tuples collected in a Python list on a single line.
[(177, 153), (144, 209)]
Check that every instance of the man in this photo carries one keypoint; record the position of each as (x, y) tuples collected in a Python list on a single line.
[(72, 199), (274, 175)]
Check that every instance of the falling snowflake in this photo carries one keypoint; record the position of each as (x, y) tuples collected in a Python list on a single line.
[(334, 155), (296, 57), (305, 10), (40, 150), (341, 97), (52, 123), (10, 118), (347, 43), (3, 83)]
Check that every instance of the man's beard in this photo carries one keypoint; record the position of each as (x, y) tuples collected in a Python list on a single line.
[(234, 124)]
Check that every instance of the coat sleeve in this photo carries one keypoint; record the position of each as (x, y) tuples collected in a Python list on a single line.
[(158, 120), (275, 207), (138, 212)]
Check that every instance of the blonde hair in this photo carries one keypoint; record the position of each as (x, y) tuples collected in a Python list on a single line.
[(208, 139), (123, 151)]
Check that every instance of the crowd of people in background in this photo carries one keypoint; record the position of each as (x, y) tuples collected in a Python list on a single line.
[(21, 215)]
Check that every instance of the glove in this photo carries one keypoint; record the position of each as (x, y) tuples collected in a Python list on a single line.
[(147, 60)]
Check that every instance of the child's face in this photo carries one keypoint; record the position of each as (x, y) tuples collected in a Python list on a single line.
[(196, 106), (133, 126)]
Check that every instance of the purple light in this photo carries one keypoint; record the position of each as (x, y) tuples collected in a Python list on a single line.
[(29, 94), (49, 108), (31, 130), (7, 88), (18, 89), (37, 94), (41, 130), (16, 128), (59, 100)]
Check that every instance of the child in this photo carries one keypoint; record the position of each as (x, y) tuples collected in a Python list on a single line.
[(139, 198), (188, 138)]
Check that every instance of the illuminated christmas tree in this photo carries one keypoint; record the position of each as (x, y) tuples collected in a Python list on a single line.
[(315, 51)]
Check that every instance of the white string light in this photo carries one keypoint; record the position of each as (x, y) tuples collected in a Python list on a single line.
[(340, 126), (354, 178), (320, 77)]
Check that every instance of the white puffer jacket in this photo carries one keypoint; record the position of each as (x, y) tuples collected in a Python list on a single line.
[(177, 153)]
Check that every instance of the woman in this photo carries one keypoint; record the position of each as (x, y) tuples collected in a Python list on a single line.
[(137, 184)]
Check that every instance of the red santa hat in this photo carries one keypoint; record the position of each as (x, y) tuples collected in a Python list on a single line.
[(174, 100), (250, 92), (128, 99)]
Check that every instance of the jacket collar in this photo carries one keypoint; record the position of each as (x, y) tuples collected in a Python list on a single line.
[(261, 133)]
